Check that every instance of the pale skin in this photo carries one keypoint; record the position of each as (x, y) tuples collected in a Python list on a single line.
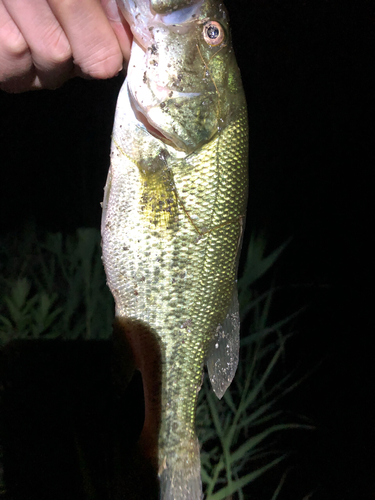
[(43, 43)]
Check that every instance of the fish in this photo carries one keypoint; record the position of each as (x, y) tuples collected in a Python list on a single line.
[(173, 218)]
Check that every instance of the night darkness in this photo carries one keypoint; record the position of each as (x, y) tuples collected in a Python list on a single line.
[(307, 71)]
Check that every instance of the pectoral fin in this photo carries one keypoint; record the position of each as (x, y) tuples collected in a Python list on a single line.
[(222, 360)]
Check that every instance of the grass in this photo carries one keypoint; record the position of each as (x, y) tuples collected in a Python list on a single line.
[(235, 432), (55, 287)]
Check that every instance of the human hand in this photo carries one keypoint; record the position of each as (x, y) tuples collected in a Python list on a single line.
[(43, 43)]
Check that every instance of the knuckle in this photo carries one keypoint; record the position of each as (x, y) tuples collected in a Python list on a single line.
[(103, 66), (56, 49), (58, 55), (15, 60), (13, 45)]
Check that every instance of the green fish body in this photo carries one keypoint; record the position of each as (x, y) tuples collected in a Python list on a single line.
[(173, 215)]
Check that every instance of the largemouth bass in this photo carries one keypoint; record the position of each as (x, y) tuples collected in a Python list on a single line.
[(173, 217)]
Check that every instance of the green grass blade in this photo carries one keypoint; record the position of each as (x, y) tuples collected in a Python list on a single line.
[(253, 442), (243, 481)]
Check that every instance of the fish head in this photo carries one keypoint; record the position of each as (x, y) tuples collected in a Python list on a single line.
[(182, 76)]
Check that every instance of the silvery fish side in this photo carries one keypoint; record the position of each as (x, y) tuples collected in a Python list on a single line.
[(173, 215)]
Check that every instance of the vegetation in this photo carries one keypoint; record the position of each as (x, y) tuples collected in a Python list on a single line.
[(56, 288), (234, 434)]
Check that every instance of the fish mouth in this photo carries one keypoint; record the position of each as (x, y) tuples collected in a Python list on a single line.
[(181, 119), (184, 131), (151, 129)]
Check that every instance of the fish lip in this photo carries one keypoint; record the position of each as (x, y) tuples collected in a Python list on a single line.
[(139, 42), (181, 16), (138, 111)]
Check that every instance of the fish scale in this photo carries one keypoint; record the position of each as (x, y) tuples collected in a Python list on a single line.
[(173, 215)]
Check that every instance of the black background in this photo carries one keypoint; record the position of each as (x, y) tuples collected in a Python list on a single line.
[(307, 71)]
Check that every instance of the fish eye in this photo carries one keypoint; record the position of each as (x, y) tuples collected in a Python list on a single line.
[(213, 33)]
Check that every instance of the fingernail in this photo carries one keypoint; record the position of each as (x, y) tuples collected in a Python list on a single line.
[(112, 11), (119, 71)]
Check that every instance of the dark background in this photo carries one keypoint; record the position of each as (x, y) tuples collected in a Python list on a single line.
[(307, 70)]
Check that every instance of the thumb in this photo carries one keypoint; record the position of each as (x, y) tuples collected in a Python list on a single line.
[(119, 25)]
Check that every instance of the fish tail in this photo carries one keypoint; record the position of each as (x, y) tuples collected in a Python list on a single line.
[(181, 479)]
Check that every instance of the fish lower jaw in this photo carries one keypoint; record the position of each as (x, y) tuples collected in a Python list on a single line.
[(141, 114), (142, 118)]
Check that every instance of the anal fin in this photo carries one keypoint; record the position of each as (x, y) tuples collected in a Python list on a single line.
[(222, 360)]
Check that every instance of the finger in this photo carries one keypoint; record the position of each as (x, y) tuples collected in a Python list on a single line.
[(119, 26), (16, 66), (94, 44), (49, 46)]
